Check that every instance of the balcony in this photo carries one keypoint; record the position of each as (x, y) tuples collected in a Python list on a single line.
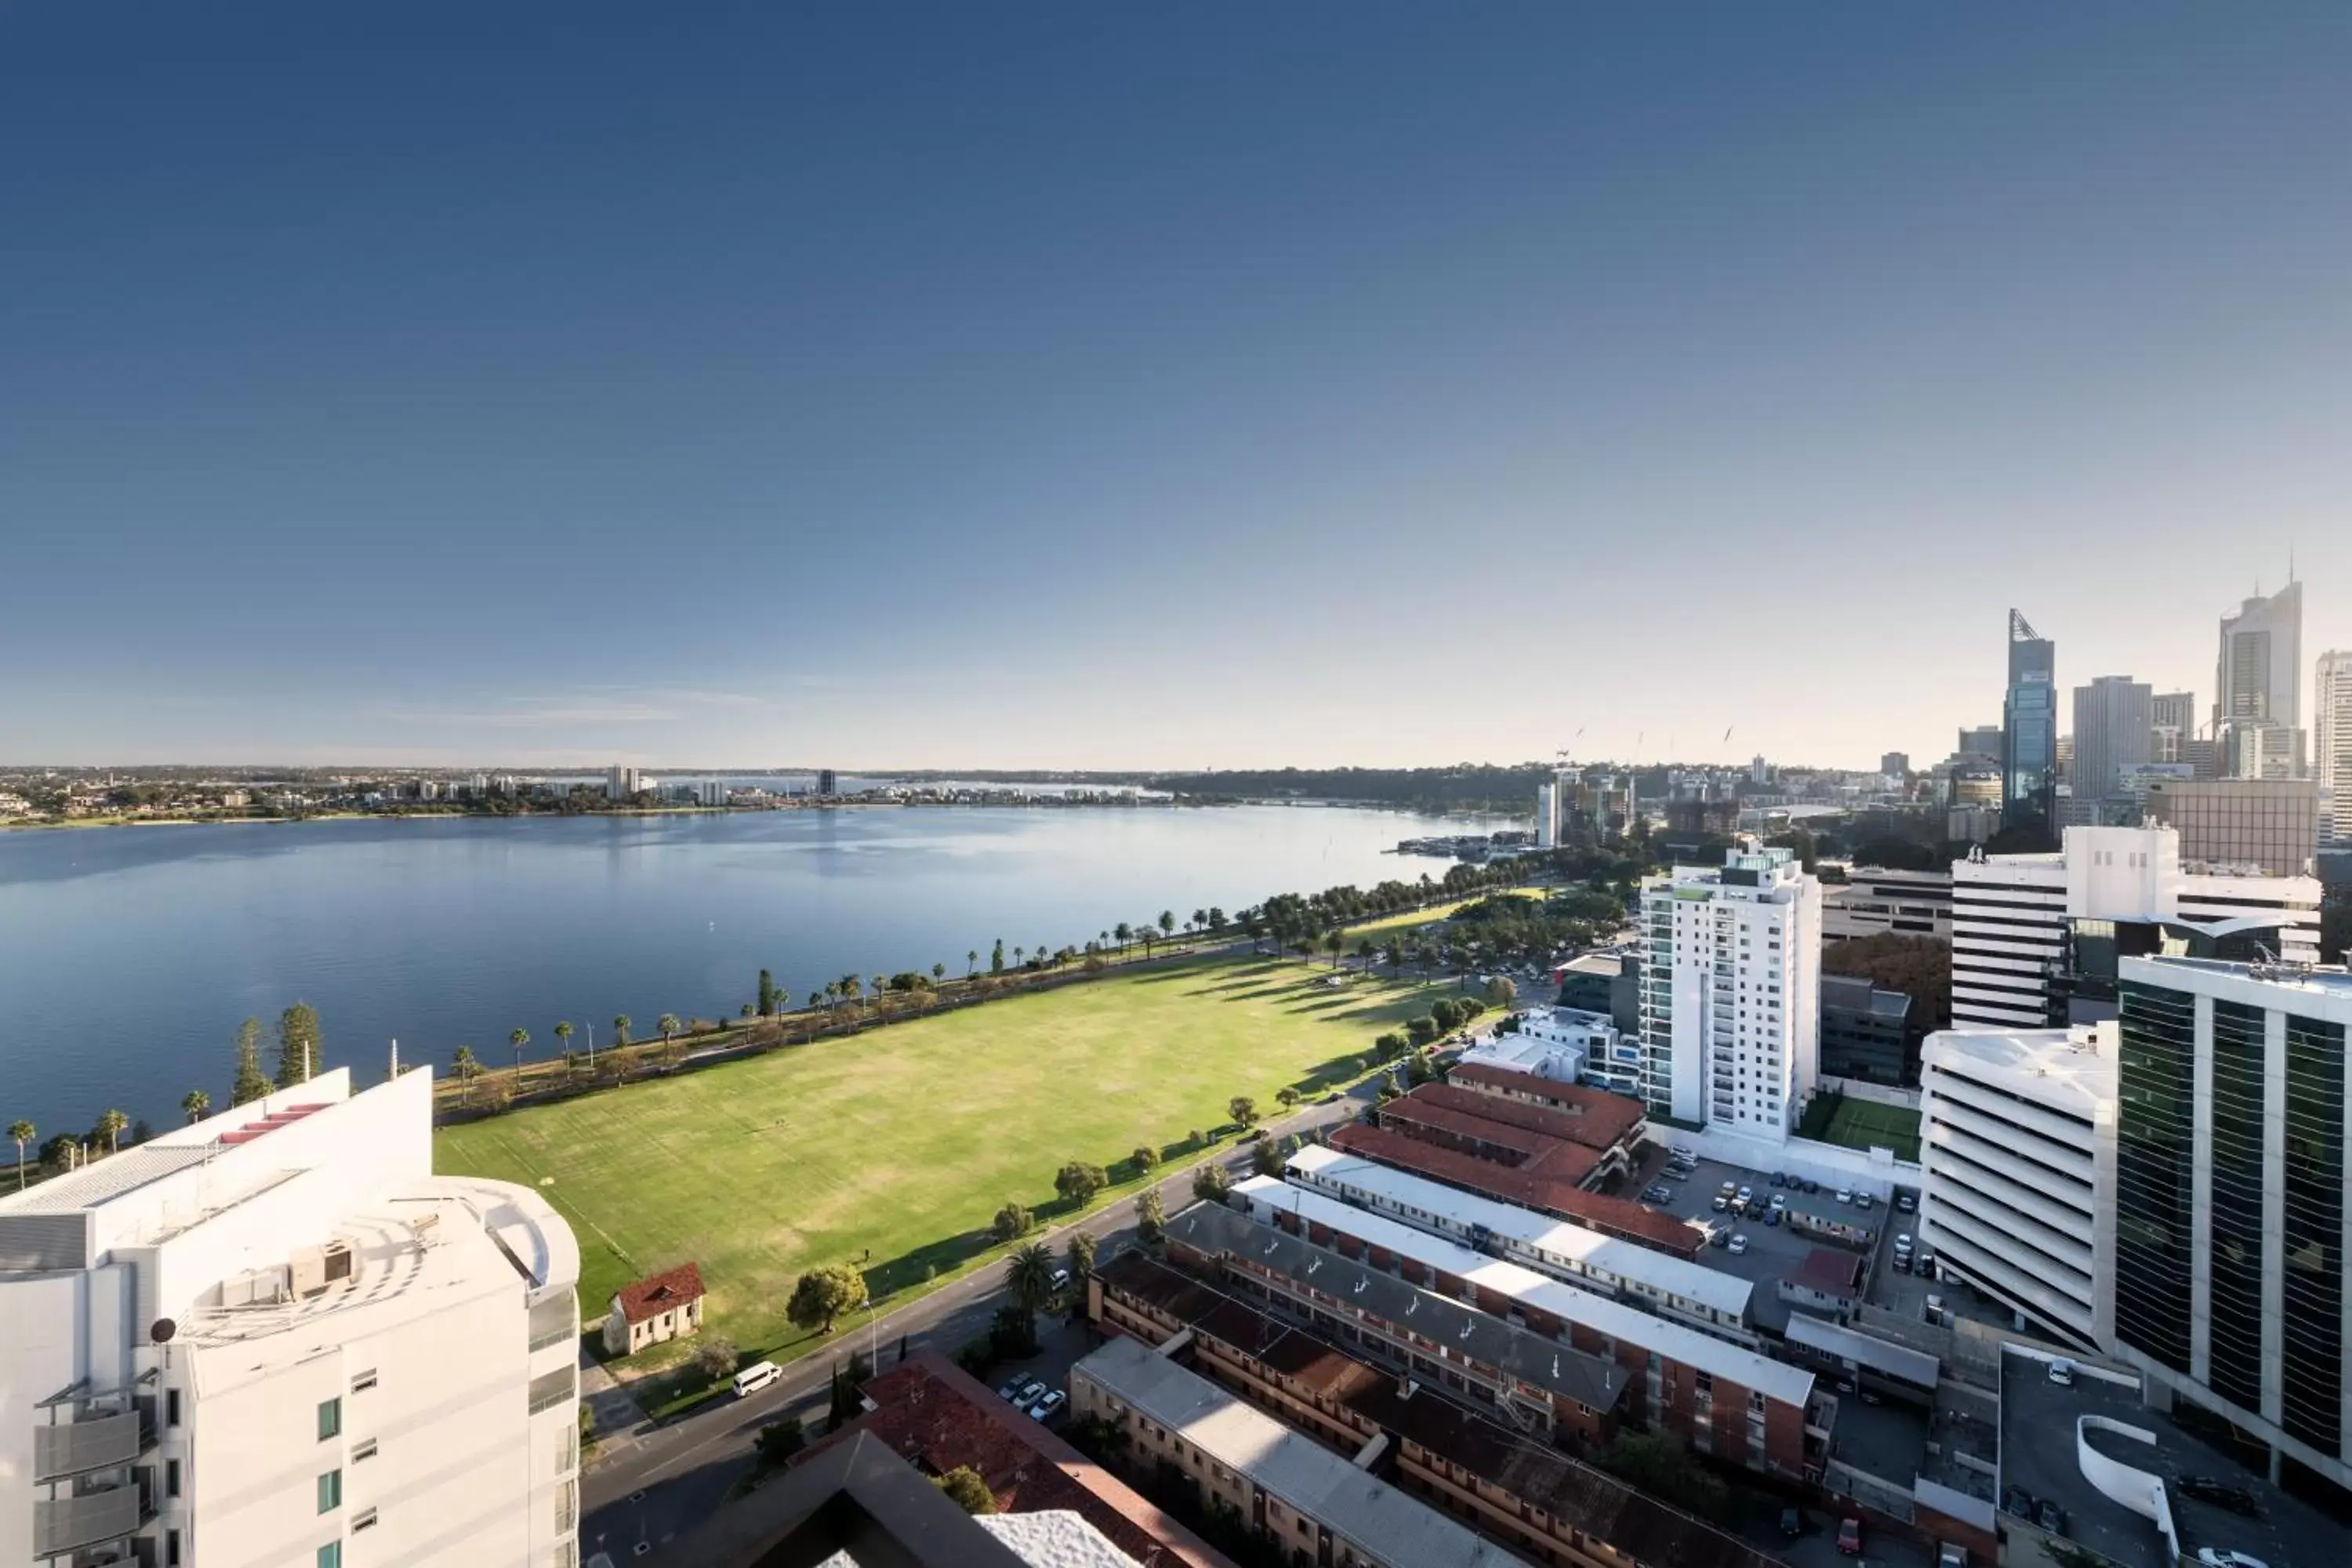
[(92, 1443), (102, 1514)]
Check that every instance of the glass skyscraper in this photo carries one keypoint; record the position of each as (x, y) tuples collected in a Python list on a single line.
[(2029, 729)]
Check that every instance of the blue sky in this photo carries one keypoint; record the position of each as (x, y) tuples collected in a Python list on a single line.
[(1089, 386)]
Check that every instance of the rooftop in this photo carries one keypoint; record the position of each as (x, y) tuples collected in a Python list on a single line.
[(1858, 1348), (2329, 984), (1376, 1518), (1587, 1128), (1661, 1233), (1830, 1271), (659, 1293), (1604, 1118), (1670, 1275), (2072, 1069), (1602, 1314), (1534, 1153)]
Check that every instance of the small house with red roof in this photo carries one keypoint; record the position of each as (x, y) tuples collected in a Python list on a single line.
[(664, 1306)]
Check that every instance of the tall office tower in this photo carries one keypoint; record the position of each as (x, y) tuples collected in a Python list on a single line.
[(1547, 814), (1731, 992), (2331, 715), (2028, 722), (274, 1333), (2018, 1154), (2258, 685), (2233, 1255), (2111, 734), (2174, 710), (1894, 765), (826, 782), (2035, 938), (1981, 741)]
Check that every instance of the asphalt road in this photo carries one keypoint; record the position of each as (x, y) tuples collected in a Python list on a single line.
[(641, 1492)]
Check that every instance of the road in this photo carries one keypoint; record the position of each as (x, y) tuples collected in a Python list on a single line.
[(645, 1489)]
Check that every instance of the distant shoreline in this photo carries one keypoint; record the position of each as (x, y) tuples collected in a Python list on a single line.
[(82, 823)]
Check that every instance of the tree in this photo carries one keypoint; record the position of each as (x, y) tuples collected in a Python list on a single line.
[(111, 1124), (1243, 1110), (1145, 1159), (1011, 1221), (468, 1067), (195, 1102), (767, 994), (1264, 1158), (971, 962), (519, 1039), (779, 1441), (1150, 1216), (938, 973), (996, 958), (1081, 1255), (967, 1490), (716, 1357), (1167, 922), (1500, 992), (822, 1295), (251, 1082), (563, 1033), (21, 1132), (1125, 933), (1420, 1031), (1078, 1182), (1657, 1462), (1029, 1276), (1335, 943), (1287, 1096), (621, 1029), (298, 1045), (1209, 1182)]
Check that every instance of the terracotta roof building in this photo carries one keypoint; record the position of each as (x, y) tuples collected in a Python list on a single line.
[(1611, 1216), (1601, 1120), (664, 1306)]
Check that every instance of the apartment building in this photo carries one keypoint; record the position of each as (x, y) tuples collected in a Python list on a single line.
[(2034, 934), (2332, 735), (2233, 1255), (1730, 993), (1464, 1457), (1286, 1485), (1880, 901), (275, 1336), (1324, 1257), (2017, 1140)]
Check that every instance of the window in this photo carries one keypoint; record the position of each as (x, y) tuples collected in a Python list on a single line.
[(171, 1407), (330, 1556), (330, 1419), (171, 1478), (331, 1491), (171, 1549), (362, 1382)]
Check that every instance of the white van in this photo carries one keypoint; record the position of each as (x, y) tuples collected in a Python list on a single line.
[(755, 1378)]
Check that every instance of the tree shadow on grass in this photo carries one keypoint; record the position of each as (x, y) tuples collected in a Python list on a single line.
[(911, 1269)]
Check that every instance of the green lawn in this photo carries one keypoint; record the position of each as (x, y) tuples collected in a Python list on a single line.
[(905, 1140), (1861, 1124)]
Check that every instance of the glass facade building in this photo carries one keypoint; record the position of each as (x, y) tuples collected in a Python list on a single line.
[(2029, 728)]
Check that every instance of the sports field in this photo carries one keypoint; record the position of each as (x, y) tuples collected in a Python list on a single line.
[(1861, 1124), (892, 1148)]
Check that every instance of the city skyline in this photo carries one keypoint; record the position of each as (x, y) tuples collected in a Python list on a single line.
[(1045, 392)]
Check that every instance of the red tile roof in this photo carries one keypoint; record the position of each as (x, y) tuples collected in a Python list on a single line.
[(1600, 1120), (1540, 1152), (933, 1414), (1830, 1272), (657, 1293), (1611, 1216)]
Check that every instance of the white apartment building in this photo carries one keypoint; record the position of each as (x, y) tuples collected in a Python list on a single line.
[(1730, 998), (2015, 917), (1879, 900), (2017, 1136), (2332, 732), (275, 1337)]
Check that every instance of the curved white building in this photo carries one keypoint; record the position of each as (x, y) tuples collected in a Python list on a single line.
[(275, 1336)]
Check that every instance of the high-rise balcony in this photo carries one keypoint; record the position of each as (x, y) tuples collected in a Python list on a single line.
[(91, 1517), (93, 1443)]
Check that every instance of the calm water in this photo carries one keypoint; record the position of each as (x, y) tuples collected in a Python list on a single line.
[(129, 956)]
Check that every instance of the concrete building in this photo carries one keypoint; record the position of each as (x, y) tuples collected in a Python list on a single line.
[(2111, 733), (1285, 1484), (1731, 992), (2173, 711), (2032, 934), (2332, 732), (1866, 1032), (621, 782), (2258, 684), (2029, 725), (2271, 826), (1603, 983), (1563, 1043), (1877, 900), (1547, 814), (1896, 765), (2018, 1146), (275, 1336), (2234, 1258), (1981, 741)]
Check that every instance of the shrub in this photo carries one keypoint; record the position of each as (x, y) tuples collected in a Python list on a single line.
[(716, 1357), (1145, 1159), (1078, 1182), (1012, 1222), (1210, 1182), (968, 1491)]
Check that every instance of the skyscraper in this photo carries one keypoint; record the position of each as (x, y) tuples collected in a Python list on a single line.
[(2258, 685), (2111, 733), (2331, 715), (2029, 718)]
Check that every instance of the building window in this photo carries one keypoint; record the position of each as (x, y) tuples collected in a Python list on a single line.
[(331, 1418), (171, 1549), (331, 1491), (330, 1556), (171, 1407), (171, 1478)]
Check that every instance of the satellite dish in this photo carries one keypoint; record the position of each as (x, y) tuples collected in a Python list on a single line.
[(162, 1331)]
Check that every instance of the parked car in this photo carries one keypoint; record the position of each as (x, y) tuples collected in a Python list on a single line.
[(2017, 1500), (1812, 1187), (1721, 1203), (1722, 1236), (1778, 1178), (2052, 1518), (1907, 1202), (1771, 1216), (1739, 1243), (1748, 1194), (1777, 1203), (2217, 1557), (1903, 1263), (1030, 1391), (1862, 1200), (1729, 1188), (2062, 1372), (1011, 1391), (1934, 1311), (1657, 1195), (1061, 1279), (1850, 1536), (1054, 1400), (1792, 1524), (1925, 1261), (1845, 1194)]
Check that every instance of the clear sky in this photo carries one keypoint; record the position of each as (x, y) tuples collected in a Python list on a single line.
[(1111, 386)]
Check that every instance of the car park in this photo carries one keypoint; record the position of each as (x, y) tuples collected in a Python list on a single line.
[(2050, 1517), (1849, 1540), (1054, 1400)]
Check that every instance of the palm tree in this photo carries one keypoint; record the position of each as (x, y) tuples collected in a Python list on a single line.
[(563, 1042), (668, 1026), (519, 1039), (468, 1067), (1029, 1275), (1017, 952), (1168, 923), (111, 1123), (24, 1134), (970, 963), (621, 1029), (195, 1102), (939, 971)]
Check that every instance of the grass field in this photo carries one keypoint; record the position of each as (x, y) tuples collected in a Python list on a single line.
[(1861, 1124), (901, 1143)]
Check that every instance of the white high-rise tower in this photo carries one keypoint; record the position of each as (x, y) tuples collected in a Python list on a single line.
[(2331, 709)]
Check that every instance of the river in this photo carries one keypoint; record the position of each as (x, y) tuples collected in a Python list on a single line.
[(129, 956)]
